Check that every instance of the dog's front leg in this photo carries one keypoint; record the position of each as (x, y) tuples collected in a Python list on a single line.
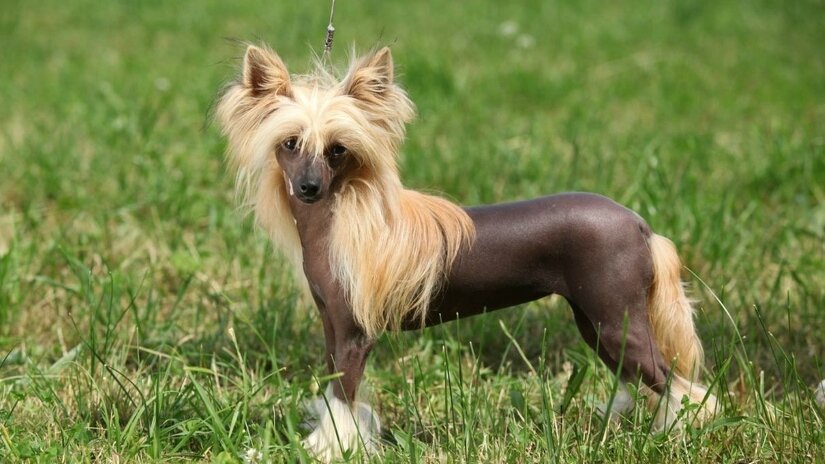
[(343, 422)]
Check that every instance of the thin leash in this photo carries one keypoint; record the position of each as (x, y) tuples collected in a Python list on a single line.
[(330, 33)]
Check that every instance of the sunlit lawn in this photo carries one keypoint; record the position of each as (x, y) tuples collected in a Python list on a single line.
[(143, 318)]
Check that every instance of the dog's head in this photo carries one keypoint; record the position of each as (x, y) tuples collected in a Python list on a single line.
[(316, 132)]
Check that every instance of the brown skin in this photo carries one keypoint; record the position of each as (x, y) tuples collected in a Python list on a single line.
[(346, 344), (584, 247)]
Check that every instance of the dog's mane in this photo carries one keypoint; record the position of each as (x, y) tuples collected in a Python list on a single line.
[(390, 248), (393, 252)]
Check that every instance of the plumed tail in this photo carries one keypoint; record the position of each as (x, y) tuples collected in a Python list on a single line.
[(671, 319), (671, 314)]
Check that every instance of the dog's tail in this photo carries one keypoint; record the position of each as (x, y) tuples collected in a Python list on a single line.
[(671, 319), (671, 314)]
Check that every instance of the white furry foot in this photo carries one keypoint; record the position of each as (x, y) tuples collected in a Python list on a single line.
[(666, 409), (339, 428), (623, 403), (668, 406)]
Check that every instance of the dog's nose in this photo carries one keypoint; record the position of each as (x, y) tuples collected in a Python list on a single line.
[(309, 189)]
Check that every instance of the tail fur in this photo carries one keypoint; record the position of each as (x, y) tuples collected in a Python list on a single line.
[(671, 314), (671, 319)]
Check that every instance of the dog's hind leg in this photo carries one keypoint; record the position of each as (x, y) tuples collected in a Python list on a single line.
[(623, 341), (640, 314), (631, 342), (622, 402), (609, 293)]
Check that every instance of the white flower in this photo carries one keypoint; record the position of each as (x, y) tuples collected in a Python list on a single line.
[(508, 28), (162, 84), (820, 394), (525, 41), (314, 387), (253, 456)]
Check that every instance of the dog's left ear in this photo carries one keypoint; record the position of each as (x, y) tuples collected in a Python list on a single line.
[(370, 79), (264, 73)]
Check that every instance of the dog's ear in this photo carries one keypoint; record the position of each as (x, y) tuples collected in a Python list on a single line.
[(371, 77), (264, 73)]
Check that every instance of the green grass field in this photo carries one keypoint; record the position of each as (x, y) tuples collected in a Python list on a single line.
[(144, 319)]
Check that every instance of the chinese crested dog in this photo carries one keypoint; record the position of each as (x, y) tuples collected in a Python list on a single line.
[(316, 160)]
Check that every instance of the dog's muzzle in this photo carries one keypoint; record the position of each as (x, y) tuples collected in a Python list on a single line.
[(309, 190)]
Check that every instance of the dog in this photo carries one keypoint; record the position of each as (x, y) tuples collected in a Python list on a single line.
[(315, 158)]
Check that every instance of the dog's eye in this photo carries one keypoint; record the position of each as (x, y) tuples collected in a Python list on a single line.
[(337, 150), (290, 143)]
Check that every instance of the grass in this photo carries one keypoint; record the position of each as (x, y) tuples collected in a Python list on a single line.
[(143, 319)]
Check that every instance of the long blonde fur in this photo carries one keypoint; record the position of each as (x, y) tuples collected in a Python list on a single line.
[(259, 181), (671, 314), (671, 319), (394, 261), (389, 248)]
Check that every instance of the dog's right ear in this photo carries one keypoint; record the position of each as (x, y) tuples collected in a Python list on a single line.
[(370, 79), (264, 73)]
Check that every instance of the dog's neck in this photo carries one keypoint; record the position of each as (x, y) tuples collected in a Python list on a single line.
[(313, 221)]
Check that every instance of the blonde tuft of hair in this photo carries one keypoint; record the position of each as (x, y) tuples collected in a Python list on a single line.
[(393, 263), (389, 247), (671, 319), (263, 87), (671, 313)]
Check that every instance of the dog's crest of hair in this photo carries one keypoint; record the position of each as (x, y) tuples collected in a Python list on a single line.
[(390, 248)]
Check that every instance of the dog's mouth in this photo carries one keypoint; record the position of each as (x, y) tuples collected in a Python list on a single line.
[(308, 200)]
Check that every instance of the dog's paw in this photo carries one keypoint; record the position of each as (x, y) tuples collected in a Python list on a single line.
[(622, 404), (339, 428)]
